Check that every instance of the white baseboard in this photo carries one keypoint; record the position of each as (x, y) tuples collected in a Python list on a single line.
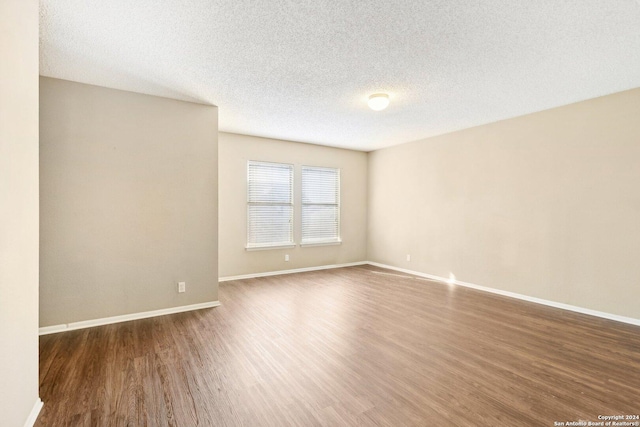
[(124, 318), (33, 415), (549, 303), (296, 270)]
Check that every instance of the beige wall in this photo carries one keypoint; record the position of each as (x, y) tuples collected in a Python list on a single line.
[(546, 205), (235, 151), (18, 210), (128, 202)]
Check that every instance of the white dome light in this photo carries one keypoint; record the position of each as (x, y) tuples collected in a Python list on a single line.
[(378, 101)]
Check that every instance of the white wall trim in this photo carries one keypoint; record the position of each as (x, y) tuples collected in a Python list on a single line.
[(33, 415), (269, 247), (124, 318), (549, 303), (143, 315), (326, 243), (295, 270)]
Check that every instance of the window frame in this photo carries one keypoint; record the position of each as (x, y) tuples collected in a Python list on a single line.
[(337, 240), (274, 245)]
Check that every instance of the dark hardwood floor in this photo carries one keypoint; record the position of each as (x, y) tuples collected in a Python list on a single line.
[(345, 347)]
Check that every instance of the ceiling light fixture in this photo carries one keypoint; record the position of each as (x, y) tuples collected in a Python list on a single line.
[(378, 101)]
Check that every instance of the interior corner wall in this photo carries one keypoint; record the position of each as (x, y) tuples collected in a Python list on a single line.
[(545, 205), (128, 202), (235, 150), (18, 211)]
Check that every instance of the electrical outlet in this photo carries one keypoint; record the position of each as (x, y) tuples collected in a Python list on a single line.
[(408, 257), (182, 287), (286, 257)]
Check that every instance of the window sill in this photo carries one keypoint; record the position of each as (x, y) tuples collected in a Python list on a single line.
[(267, 247), (330, 243)]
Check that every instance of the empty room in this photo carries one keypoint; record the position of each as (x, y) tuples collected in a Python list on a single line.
[(314, 213)]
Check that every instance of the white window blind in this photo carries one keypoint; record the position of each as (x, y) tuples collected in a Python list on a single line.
[(269, 204), (320, 205)]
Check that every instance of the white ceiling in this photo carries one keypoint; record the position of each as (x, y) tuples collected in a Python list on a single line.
[(302, 70)]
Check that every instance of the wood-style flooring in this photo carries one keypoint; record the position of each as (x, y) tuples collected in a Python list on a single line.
[(357, 346)]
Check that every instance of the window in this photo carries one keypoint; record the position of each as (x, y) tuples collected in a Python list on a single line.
[(320, 205), (269, 205)]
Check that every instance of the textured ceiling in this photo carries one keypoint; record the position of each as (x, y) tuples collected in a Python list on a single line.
[(302, 70)]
